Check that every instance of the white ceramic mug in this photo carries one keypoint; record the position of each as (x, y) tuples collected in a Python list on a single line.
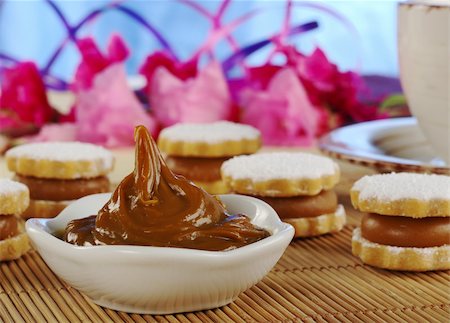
[(424, 57)]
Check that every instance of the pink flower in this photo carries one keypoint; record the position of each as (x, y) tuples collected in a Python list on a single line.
[(93, 61), (261, 76), (204, 98), (106, 110), (256, 78), (57, 132), (318, 70), (107, 113), (332, 89), (282, 112), (182, 70), (329, 97), (23, 100)]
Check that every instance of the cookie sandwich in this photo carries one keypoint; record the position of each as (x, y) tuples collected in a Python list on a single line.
[(57, 173), (299, 186), (14, 199), (406, 225), (197, 151)]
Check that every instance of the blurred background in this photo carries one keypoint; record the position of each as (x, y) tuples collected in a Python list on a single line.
[(356, 35)]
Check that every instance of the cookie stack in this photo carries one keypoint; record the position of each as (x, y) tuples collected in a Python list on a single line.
[(57, 173), (297, 185), (14, 199), (197, 151), (407, 221)]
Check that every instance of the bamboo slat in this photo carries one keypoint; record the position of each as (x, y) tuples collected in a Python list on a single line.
[(317, 280)]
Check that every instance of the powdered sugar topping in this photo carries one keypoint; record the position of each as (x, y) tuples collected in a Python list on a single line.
[(279, 165), (63, 151), (399, 186), (210, 132), (9, 187)]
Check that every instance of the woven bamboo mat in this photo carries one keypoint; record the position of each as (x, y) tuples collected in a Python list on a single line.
[(317, 279)]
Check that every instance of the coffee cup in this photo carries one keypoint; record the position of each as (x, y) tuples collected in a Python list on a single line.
[(424, 59)]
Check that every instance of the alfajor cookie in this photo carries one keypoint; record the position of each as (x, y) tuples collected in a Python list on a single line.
[(407, 221), (297, 185), (197, 151), (14, 199), (57, 173)]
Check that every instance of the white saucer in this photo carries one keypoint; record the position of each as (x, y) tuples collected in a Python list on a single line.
[(386, 145)]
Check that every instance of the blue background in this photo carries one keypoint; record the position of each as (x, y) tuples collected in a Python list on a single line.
[(31, 30)]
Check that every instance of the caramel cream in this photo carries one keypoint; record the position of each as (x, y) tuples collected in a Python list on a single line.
[(63, 190), (9, 226), (196, 168), (303, 206), (154, 207), (402, 231)]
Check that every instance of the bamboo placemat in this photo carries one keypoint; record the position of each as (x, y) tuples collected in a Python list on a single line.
[(317, 279)]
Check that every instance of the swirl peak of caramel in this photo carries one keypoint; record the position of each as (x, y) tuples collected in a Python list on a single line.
[(154, 207)]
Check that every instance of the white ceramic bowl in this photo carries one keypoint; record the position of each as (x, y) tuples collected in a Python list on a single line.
[(424, 58), (158, 280)]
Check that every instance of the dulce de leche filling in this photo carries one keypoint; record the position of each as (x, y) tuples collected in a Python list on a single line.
[(303, 206), (402, 231), (63, 190), (193, 168), (154, 207), (9, 226)]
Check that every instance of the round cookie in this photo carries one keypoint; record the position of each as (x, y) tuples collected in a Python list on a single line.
[(57, 173), (407, 225), (14, 199), (280, 174), (403, 194), (213, 187), (60, 160), (14, 247), (197, 151), (297, 185), (319, 225), (44, 209), (217, 139), (400, 258)]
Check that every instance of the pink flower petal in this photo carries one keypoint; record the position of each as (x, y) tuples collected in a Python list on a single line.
[(205, 98), (23, 99), (93, 61), (181, 70), (317, 69), (117, 50), (283, 112), (56, 132), (108, 112)]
